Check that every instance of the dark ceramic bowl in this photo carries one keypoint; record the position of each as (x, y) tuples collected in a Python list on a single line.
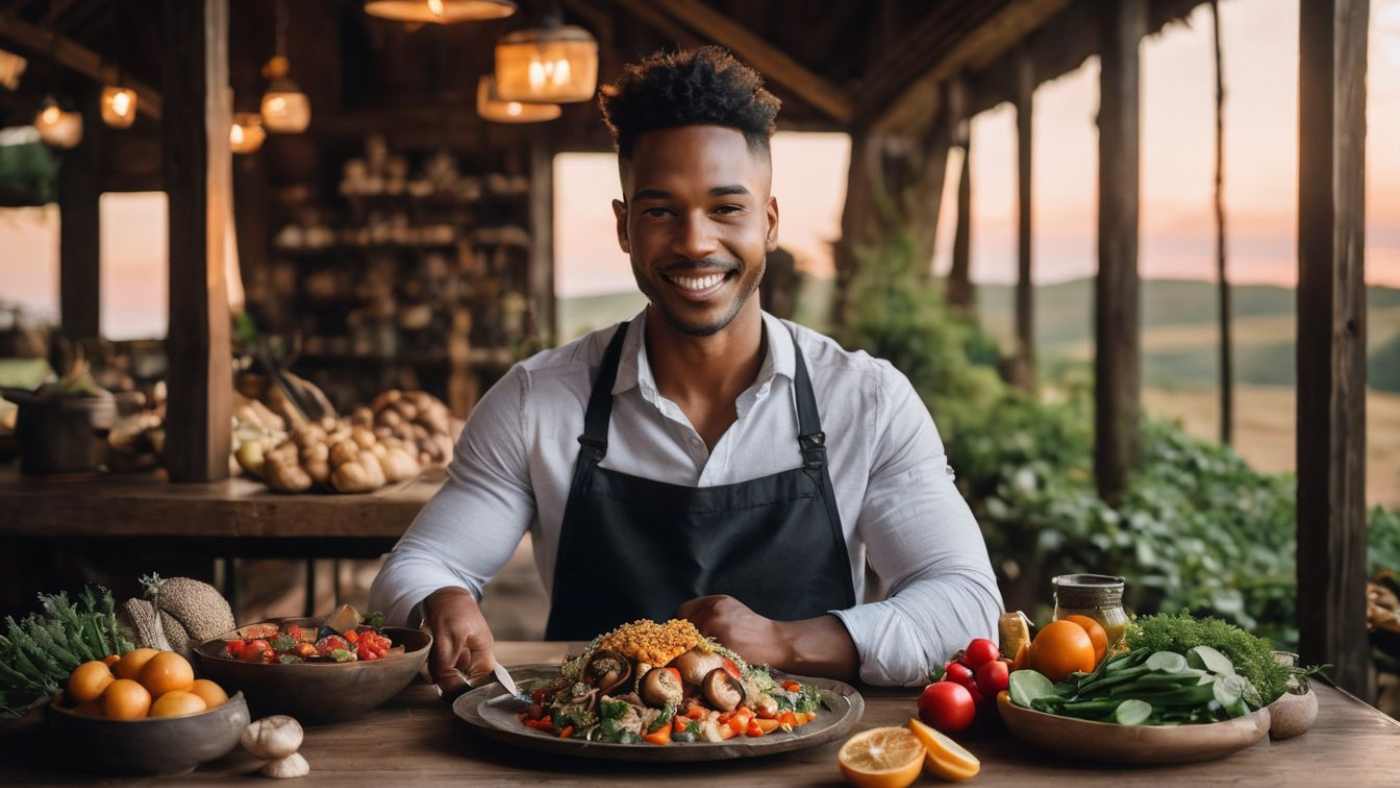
[(313, 692), (163, 745)]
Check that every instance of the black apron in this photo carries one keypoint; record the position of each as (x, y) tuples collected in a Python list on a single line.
[(634, 548)]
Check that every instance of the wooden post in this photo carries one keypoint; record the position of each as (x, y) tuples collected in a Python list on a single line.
[(79, 241), (959, 293), (1117, 352), (1332, 340), (197, 177), (1227, 366), (541, 276), (1025, 363)]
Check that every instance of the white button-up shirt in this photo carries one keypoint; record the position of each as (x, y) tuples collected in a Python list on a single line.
[(900, 510)]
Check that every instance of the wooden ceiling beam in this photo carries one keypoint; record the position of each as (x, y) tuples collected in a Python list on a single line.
[(975, 49), (43, 43), (773, 63), (645, 10)]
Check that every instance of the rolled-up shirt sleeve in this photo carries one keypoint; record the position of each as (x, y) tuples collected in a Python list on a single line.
[(470, 528), (924, 543)]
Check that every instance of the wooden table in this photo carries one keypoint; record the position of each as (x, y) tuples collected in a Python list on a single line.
[(415, 740)]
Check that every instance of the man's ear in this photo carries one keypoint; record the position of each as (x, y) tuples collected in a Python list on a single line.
[(771, 241), (620, 211)]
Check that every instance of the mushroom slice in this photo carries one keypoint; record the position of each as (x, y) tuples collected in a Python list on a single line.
[(722, 691), (694, 665), (662, 686), (607, 670)]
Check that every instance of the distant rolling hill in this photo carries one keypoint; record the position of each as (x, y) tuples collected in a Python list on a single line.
[(1179, 327)]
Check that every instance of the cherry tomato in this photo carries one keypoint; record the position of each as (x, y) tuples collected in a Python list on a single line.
[(980, 652), (947, 706), (993, 677), (956, 671)]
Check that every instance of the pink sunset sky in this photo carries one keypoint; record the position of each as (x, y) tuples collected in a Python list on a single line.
[(1261, 68)]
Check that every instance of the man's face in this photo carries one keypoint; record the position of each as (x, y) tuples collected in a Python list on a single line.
[(698, 222)]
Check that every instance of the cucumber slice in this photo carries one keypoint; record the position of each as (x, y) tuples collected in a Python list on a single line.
[(1229, 691), (1028, 685), (1132, 712), (1207, 658), (1166, 662)]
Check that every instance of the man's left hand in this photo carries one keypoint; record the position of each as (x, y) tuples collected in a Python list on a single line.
[(758, 640)]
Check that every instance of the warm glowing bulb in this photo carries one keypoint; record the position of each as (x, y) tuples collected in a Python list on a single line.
[(50, 115), (435, 7), (235, 135), (277, 103), (561, 71), (121, 102), (537, 75), (514, 108)]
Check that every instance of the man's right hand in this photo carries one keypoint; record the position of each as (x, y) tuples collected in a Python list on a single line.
[(461, 638)]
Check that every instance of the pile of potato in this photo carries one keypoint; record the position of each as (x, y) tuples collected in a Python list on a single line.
[(332, 456), (415, 417)]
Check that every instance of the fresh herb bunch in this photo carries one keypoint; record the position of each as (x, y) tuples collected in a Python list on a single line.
[(1252, 656), (38, 653)]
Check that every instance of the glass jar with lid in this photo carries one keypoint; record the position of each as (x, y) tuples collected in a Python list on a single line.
[(1099, 597)]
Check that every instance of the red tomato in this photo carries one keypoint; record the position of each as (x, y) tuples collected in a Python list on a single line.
[(980, 652), (732, 669), (993, 677), (947, 706), (956, 671)]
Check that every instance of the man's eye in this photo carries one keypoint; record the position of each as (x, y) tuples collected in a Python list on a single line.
[(656, 213), (728, 209)]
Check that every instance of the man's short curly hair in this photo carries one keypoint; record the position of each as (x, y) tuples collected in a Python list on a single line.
[(696, 87)]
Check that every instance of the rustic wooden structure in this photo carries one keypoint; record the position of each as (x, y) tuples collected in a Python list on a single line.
[(1332, 338), (900, 76)]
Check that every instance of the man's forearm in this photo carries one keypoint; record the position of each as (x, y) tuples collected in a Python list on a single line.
[(818, 646)]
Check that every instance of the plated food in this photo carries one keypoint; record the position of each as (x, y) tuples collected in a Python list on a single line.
[(663, 684)]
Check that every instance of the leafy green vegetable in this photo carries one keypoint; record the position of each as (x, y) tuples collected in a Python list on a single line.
[(38, 653), (283, 642), (610, 709), (1252, 657), (668, 712)]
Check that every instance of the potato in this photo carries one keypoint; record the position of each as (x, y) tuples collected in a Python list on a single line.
[(251, 457), (343, 452), (352, 477), (319, 471), (362, 417), (398, 465), (372, 469), (363, 437), (285, 476)]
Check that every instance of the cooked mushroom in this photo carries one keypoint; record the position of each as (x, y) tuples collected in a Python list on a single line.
[(695, 665), (607, 670), (662, 686), (722, 691)]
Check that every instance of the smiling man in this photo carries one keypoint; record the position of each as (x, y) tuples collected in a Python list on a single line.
[(704, 459)]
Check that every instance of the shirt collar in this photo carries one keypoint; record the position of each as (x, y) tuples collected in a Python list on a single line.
[(634, 371)]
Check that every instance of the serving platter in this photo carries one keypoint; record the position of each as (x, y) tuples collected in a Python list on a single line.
[(1132, 745), (490, 710)]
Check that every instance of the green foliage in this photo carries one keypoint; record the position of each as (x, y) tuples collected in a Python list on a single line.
[(1197, 530), (1252, 656)]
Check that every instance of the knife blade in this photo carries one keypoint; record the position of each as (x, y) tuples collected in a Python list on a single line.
[(503, 676)]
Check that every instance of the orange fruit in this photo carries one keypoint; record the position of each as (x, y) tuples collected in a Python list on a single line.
[(1022, 654), (132, 661), (945, 758), (881, 758), (167, 672), (1060, 649), (177, 703), (212, 694), (126, 700), (1097, 635), (110, 660), (88, 681)]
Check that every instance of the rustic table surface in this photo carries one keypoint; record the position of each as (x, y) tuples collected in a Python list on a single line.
[(415, 740)]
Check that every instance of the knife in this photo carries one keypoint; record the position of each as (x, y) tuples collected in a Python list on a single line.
[(498, 672)]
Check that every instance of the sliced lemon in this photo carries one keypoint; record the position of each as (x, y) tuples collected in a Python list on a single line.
[(945, 758), (882, 758)]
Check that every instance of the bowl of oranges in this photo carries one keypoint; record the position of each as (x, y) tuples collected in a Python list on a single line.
[(145, 712)]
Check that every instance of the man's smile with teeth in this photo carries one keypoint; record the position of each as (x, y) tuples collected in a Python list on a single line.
[(697, 282)]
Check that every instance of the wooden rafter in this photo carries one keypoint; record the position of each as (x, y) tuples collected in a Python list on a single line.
[(770, 61), (73, 55), (646, 11), (972, 49)]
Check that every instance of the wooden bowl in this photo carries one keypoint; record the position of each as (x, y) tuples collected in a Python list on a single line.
[(162, 745), (1131, 745), (313, 692)]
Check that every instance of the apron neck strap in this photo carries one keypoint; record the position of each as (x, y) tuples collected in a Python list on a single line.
[(595, 421), (810, 438)]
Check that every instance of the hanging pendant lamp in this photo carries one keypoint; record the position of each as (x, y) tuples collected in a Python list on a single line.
[(442, 12), (285, 109), (491, 107), (118, 106), (57, 127), (554, 63), (246, 134)]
